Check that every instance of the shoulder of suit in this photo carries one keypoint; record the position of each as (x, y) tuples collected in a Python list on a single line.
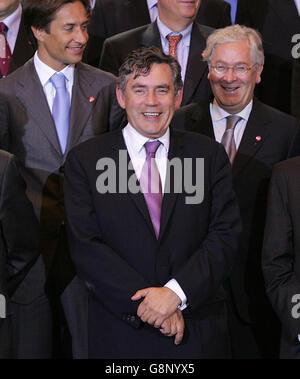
[(204, 30), (276, 116), (127, 35), (193, 109), (288, 168), (96, 73), (195, 141)]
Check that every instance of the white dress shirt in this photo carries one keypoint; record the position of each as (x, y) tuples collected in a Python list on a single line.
[(218, 117), (183, 47), (297, 3), (13, 24), (153, 10), (45, 73), (135, 145)]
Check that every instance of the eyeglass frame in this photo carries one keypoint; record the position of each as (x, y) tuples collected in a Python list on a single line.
[(233, 69)]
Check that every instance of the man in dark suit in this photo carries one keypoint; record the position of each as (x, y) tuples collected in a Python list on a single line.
[(41, 136), (278, 21), (20, 45), (19, 240), (281, 252), (113, 17), (261, 137), (154, 269), (175, 19)]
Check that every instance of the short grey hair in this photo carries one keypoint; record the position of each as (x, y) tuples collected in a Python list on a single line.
[(235, 33)]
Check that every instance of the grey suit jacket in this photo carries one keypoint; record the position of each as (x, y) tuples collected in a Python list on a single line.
[(29, 132)]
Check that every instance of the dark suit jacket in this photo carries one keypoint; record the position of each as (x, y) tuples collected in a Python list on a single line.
[(277, 21), (280, 139), (31, 135), (23, 50), (196, 85), (113, 17), (113, 245), (19, 238), (281, 251)]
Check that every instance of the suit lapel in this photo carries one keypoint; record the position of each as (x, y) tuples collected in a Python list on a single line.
[(151, 36), (30, 93), (138, 10), (287, 13), (84, 97), (23, 49), (170, 197), (137, 198), (196, 68), (255, 134), (201, 119)]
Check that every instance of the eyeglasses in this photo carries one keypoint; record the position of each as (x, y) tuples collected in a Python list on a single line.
[(239, 69)]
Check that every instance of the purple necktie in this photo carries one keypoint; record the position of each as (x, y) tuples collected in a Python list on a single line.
[(5, 53), (151, 185)]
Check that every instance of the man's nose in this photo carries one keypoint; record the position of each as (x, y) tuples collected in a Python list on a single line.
[(230, 75)]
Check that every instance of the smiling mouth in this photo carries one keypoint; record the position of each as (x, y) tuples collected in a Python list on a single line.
[(152, 114), (76, 49), (230, 89)]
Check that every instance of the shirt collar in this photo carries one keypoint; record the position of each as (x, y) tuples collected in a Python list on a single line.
[(13, 20), (45, 72), (138, 140), (151, 3), (219, 113), (165, 31)]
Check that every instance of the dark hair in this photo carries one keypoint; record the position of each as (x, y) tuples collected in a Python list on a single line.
[(40, 13), (140, 61)]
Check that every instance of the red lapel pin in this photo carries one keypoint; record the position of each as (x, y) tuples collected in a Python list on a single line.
[(91, 99), (258, 138)]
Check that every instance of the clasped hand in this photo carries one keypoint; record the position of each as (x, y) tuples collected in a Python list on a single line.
[(160, 309)]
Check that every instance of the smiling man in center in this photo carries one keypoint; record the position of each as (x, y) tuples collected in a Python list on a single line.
[(154, 265)]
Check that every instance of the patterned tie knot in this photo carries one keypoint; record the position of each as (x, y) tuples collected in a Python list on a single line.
[(232, 121), (3, 28), (151, 147), (58, 80), (173, 42)]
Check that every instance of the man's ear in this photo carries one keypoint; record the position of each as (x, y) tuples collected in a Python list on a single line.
[(120, 97), (258, 73), (178, 98), (39, 34)]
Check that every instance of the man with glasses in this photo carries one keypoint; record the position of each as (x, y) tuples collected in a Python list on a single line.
[(255, 137)]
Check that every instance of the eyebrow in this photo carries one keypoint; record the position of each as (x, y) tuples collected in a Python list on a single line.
[(137, 85)]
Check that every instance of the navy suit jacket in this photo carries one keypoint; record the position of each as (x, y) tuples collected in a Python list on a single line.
[(115, 250), (278, 139)]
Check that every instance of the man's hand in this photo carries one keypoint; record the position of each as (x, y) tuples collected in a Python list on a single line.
[(159, 304), (174, 326)]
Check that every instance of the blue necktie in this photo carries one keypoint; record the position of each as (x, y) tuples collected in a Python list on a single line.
[(233, 4), (61, 109)]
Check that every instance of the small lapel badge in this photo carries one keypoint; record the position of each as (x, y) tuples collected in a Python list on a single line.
[(91, 99), (29, 43), (258, 138)]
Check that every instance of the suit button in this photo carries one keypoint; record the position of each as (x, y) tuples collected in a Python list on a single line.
[(132, 318)]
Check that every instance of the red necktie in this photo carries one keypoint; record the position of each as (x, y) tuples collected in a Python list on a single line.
[(173, 42), (5, 53)]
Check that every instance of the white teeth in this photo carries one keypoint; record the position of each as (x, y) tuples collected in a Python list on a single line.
[(148, 114)]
